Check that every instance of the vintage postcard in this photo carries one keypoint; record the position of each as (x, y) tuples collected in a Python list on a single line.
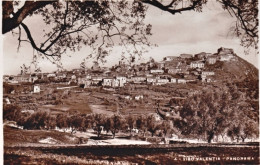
[(130, 82)]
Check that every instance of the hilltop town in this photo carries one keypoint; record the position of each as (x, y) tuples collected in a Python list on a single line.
[(182, 69), (175, 77)]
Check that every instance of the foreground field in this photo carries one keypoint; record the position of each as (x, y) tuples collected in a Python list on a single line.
[(134, 154), (26, 147)]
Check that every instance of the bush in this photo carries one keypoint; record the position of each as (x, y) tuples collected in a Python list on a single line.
[(39, 120), (8, 88), (11, 112)]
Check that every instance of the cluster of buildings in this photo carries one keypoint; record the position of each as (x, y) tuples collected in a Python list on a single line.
[(173, 69), (39, 77)]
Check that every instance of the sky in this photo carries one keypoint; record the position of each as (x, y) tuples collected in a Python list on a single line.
[(189, 32)]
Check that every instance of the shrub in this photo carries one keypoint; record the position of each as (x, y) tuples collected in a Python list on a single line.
[(11, 112)]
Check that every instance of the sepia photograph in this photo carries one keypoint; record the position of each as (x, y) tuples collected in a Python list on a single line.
[(130, 82)]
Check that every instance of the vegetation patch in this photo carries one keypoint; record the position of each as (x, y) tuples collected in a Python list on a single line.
[(13, 136)]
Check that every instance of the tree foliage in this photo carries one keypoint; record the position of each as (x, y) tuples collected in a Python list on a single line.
[(141, 123), (98, 123), (62, 121), (100, 25), (11, 112), (215, 112), (71, 25), (116, 123), (166, 127), (152, 125), (206, 115), (7, 88), (37, 120), (246, 12), (246, 26), (131, 122), (76, 122), (243, 124)]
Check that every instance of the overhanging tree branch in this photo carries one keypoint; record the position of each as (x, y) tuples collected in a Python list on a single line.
[(29, 36), (247, 21), (12, 20), (168, 8)]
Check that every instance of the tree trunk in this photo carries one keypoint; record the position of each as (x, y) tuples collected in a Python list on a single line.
[(72, 130), (130, 132), (210, 137), (99, 131), (222, 135), (113, 133), (243, 138)]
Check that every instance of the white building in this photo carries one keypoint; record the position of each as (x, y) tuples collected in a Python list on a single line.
[(173, 80), (87, 83), (173, 70), (81, 80), (88, 76), (138, 79), (107, 82), (60, 76), (205, 79), (115, 83), (158, 71), (208, 73), (197, 64), (51, 75), (122, 80), (128, 97), (97, 78), (36, 89), (26, 78), (84, 81), (211, 60), (170, 58), (162, 81), (181, 81), (226, 57), (7, 101), (73, 77), (150, 80), (139, 97)]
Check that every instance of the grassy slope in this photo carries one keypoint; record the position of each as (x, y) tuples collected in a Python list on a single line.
[(75, 102), (232, 70), (14, 136)]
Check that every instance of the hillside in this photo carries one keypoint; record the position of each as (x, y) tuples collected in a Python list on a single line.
[(237, 70)]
